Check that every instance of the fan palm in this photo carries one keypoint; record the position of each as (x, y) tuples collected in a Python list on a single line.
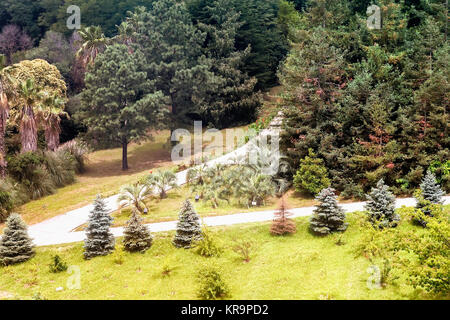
[(161, 181), (50, 114), (93, 42), (257, 188), (30, 94), (133, 196)]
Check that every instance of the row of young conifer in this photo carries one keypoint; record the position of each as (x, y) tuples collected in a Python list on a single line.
[(16, 245)]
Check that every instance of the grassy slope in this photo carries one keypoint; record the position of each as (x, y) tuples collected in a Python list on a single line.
[(103, 175), (300, 266)]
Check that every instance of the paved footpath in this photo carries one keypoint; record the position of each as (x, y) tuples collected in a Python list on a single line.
[(60, 229), (52, 237)]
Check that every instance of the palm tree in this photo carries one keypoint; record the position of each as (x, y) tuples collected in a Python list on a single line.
[(50, 113), (257, 188), (4, 113), (161, 181), (30, 95), (134, 195), (93, 42)]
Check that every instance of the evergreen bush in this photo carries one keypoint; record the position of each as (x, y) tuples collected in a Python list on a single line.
[(137, 237), (15, 244), (99, 239), (211, 284), (312, 175), (380, 206), (328, 217), (188, 227), (57, 265)]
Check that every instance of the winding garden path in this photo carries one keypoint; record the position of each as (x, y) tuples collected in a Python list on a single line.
[(60, 229), (55, 231)]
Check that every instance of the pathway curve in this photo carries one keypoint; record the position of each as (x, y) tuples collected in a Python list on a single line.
[(52, 237), (60, 229)]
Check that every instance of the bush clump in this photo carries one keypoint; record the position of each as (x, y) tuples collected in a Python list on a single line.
[(207, 246), (312, 175), (57, 265), (211, 284)]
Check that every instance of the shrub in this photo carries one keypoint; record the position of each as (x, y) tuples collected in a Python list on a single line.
[(15, 245), (282, 225), (162, 181), (328, 217), (188, 227), (137, 237), (61, 167), (79, 151), (29, 170), (207, 246), (211, 284), (312, 175), (244, 249), (380, 206), (57, 265), (6, 200), (99, 239)]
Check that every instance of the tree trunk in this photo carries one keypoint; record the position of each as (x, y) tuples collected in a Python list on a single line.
[(3, 163), (124, 154), (28, 131), (52, 138), (3, 118)]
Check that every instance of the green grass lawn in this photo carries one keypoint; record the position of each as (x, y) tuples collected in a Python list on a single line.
[(301, 266)]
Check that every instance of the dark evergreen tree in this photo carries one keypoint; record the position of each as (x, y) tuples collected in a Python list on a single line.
[(188, 227), (99, 239), (228, 96), (137, 237), (172, 46), (120, 104), (380, 206), (328, 217), (282, 224), (15, 244)]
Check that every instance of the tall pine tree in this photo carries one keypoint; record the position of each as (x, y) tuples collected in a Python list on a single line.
[(228, 96), (120, 104), (188, 227), (99, 239), (172, 46), (15, 244)]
